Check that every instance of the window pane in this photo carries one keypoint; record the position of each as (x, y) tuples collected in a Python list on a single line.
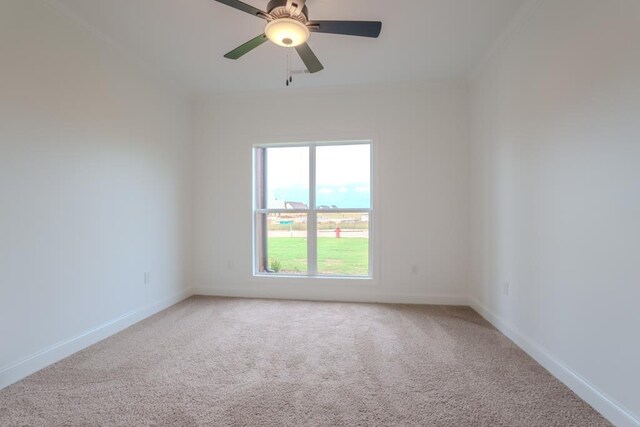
[(287, 177), (343, 244), (343, 176), (285, 249)]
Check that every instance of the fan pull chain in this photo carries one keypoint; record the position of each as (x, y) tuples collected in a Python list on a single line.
[(289, 78)]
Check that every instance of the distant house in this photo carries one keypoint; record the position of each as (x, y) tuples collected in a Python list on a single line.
[(295, 205)]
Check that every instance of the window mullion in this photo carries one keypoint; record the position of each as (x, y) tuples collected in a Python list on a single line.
[(312, 223), (260, 201)]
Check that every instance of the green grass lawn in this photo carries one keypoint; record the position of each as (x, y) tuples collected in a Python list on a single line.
[(345, 257)]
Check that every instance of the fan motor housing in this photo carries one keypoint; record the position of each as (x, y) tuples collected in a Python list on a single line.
[(278, 9)]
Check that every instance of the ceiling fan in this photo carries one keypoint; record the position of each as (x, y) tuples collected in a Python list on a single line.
[(288, 25)]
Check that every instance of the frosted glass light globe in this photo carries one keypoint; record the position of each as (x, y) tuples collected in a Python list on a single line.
[(287, 32)]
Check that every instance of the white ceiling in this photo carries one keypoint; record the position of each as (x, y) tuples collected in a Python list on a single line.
[(421, 40)]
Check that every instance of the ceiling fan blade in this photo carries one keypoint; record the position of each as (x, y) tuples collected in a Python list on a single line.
[(247, 47), (309, 58), (236, 4), (347, 28)]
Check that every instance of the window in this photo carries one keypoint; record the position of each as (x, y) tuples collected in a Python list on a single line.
[(312, 209)]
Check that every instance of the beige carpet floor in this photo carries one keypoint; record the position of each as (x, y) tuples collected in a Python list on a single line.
[(217, 361)]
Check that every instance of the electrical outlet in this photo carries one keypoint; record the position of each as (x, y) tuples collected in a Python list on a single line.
[(505, 288)]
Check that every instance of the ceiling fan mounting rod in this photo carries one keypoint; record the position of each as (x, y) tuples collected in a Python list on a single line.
[(293, 9)]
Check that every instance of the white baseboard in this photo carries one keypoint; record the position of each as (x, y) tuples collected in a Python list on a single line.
[(608, 407), (28, 365), (270, 293)]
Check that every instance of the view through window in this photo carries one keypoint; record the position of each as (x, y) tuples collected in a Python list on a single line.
[(313, 209)]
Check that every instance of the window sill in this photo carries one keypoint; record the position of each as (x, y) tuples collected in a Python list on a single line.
[(287, 278)]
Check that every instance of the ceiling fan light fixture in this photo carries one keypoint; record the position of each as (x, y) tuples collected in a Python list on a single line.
[(287, 32)]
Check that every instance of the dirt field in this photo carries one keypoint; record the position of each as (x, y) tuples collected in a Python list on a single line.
[(363, 234)]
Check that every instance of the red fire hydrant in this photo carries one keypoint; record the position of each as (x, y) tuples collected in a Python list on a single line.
[(338, 232)]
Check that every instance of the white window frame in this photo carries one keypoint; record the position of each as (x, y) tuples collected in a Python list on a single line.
[(312, 211)]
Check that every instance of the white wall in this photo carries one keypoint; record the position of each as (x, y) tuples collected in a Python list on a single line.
[(95, 154), (556, 194), (420, 173)]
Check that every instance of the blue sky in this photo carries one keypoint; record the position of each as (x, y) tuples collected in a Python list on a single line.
[(342, 175)]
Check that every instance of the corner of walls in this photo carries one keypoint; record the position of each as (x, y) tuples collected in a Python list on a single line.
[(97, 170), (515, 25), (189, 282), (607, 406), (527, 129), (168, 81), (32, 363)]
